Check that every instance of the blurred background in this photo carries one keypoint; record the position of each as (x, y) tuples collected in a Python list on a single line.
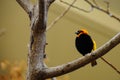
[(14, 25)]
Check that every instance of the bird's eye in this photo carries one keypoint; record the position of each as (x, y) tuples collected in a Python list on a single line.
[(77, 32), (80, 31)]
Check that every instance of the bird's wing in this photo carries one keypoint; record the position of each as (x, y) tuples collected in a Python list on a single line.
[(94, 45)]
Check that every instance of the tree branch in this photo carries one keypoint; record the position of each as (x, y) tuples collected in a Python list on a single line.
[(59, 17), (80, 62), (94, 1), (53, 78), (111, 65), (108, 6), (26, 5), (80, 9), (43, 9), (105, 11), (96, 6), (50, 1)]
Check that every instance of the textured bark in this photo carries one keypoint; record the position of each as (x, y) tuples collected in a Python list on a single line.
[(26, 5), (38, 20), (37, 42)]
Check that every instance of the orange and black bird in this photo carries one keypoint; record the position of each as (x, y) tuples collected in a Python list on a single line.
[(84, 43)]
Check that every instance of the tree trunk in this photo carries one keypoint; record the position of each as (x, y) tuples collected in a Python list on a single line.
[(37, 41)]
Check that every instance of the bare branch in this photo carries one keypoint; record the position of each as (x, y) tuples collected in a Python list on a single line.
[(26, 5), (105, 11), (59, 17), (54, 78), (80, 62), (111, 65), (50, 1), (80, 9), (94, 1), (108, 6)]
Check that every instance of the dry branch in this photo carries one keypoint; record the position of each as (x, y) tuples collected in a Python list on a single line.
[(113, 67), (62, 15), (26, 5), (108, 6), (78, 63), (94, 1), (50, 2), (103, 10), (96, 6), (80, 9)]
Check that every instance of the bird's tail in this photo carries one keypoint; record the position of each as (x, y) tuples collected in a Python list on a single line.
[(93, 63)]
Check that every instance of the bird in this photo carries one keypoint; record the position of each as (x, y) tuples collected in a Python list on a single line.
[(84, 43)]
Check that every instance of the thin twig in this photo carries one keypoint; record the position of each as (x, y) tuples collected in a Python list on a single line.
[(108, 6), (110, 65), (50, 1), (59, 17), (80, 9), (103, 10), (94, 1)]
